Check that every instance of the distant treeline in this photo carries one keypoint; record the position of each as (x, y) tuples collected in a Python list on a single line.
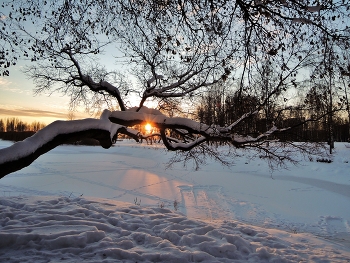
[(16, 136), (13, 129), (220, 109), (16, 125)]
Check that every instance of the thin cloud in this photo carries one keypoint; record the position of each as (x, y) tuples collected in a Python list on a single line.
[(17, 90), (39, 113), (4, 82), (6, 85), (33, 113)]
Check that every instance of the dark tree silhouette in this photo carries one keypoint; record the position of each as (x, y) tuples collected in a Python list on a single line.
[(173, 49)]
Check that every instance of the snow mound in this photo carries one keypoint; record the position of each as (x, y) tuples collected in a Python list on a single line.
[(60, 229)]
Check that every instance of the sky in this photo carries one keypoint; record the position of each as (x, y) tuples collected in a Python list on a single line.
[(17, 99)]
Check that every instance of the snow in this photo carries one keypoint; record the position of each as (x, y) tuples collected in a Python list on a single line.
[(82, 203), (44, 136), (244, 116), (144, 109)]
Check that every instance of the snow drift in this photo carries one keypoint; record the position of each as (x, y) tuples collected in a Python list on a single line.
[(96, 230)]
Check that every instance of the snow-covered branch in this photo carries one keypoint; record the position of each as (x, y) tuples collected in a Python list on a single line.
[(178, 88), (244, 117), (173, 145), (189, 134), (197, 133), (22, 154), (95, 86)]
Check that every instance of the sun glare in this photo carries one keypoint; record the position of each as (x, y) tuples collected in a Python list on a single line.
[(148, 128)]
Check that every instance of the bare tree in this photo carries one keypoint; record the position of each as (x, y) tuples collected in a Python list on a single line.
[(345, 83), (173, 49), (2, 126)]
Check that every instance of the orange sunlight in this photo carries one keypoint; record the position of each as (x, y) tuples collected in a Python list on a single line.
[(148, 128)]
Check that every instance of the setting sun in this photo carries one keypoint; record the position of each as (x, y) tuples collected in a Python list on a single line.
[(148, 128)]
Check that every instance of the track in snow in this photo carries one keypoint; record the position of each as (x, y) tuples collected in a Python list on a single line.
[(204, 202)]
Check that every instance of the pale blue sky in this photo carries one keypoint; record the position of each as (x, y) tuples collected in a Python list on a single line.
[(17, 97), (17, 100)]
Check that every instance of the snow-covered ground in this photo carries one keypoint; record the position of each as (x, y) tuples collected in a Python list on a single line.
[(79, 203)]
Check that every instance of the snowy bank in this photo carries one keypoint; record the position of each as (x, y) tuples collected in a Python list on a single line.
[(61, 229)]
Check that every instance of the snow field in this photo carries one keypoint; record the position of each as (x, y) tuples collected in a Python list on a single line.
[(67, 206)]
